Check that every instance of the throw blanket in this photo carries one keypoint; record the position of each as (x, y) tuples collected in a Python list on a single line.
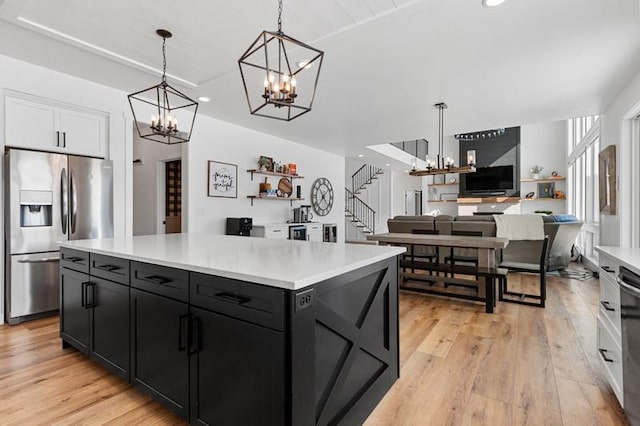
[(519, 226)]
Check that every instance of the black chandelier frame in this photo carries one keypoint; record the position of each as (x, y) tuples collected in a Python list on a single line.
[(257, 56), (168, 100)]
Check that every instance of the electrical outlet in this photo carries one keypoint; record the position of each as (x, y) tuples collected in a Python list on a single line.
[(304, 299)]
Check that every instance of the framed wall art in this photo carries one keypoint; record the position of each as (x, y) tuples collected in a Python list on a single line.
[(607, 180), (223, 180), (546, 190)]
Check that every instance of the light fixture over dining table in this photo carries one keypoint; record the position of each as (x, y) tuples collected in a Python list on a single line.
[(280, 74), (443, 165)]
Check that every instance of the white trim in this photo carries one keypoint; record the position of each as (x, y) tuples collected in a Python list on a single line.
[(628, 175)]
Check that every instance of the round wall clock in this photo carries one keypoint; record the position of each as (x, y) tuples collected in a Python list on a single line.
[(322, 196)]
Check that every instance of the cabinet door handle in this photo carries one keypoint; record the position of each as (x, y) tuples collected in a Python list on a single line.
[(155, 279), (603, 354), (83, 298), (90, 286), (57, 138), (74, 259), (606, 306), (195, 336), (83, 294), (231, 298), (182, 336), (64, 139), (608, 269), (108, 268)]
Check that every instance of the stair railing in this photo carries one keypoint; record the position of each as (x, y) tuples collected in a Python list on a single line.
[(361, 214), (364, 176)]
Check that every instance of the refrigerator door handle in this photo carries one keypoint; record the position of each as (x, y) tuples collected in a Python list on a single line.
[(73, 201), (64, 201)]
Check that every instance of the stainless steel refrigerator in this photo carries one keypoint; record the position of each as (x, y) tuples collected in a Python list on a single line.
[(48, 198)]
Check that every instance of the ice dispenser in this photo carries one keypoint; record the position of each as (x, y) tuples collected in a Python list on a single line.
[(36, 208)]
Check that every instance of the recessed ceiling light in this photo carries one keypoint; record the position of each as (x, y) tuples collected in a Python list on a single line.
[(360, 155), (305, 64), (492, 3), (204, 99), (387, 165)]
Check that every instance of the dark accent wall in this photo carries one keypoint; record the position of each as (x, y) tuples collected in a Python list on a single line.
[(499, 151)]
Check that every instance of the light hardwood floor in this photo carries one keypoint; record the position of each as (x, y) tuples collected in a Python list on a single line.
[(459, 366)]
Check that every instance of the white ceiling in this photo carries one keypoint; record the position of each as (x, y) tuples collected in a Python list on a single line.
[(386, 63)]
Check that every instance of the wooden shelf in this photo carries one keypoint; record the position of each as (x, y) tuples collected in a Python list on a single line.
[(258, 197), (256, 171), (442, 184), (551, 179), (488, 200), (544, 199)]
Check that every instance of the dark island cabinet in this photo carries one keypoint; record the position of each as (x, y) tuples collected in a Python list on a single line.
[(74, 316), (220, 351), (237, 371), (95, 319), (159, 353)]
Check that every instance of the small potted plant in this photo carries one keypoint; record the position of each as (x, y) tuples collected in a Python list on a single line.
[(535, 171), (263, 163)]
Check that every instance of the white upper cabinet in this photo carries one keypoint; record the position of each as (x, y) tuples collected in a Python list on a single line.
[(82, 133), (47, 127)]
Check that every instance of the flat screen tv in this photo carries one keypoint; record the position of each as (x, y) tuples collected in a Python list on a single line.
[(489, 180)]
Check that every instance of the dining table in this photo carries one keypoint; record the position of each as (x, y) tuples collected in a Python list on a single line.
[(486, 266)]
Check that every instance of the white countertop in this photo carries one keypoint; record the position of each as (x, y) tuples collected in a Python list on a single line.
[(287, 264), (628, 257)]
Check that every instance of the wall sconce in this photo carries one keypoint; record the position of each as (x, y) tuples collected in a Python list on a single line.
[(471, 157)]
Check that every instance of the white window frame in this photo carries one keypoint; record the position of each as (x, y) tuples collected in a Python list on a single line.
[(578, 184)]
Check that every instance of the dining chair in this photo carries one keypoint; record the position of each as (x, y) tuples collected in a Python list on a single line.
[(535, 264)]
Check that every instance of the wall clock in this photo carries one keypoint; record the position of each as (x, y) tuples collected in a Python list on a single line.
[(322, 196)]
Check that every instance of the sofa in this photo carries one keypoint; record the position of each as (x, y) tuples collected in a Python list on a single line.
[(562, 231)]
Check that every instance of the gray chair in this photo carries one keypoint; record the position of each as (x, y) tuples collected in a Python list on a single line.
[(429, 253), (534, 263)]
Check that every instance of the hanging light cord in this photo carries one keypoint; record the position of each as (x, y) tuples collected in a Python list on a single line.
[(279, 16), (164, 59)]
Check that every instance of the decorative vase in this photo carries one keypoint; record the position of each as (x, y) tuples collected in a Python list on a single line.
[(535, 176)]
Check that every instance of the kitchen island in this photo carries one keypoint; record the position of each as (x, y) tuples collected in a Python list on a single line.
[(238, 330)]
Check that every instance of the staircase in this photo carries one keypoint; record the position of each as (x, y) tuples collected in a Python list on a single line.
[(363, 177), (357, 211), (361, 215)]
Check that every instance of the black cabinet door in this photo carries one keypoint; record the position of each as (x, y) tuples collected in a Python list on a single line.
[(109, 303), (74, 314), (237, 373), (159, 357)]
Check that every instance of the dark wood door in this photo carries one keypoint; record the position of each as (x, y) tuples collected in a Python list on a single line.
[(110, 325), (159, 357), (237, 372), (74, 314)]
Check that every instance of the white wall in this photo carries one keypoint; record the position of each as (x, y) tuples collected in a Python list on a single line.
[(545, 145), (220, 141), (615, 129), (145, 181)]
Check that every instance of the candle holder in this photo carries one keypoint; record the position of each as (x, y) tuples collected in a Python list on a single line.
[(471, 157)]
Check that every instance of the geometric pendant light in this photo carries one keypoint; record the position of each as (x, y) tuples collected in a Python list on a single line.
[(280, 74), (159, 104)]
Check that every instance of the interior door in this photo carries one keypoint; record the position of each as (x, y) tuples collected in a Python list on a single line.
[(90, 198)]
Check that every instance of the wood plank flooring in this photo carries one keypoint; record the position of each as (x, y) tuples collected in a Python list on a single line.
[(459, 366)]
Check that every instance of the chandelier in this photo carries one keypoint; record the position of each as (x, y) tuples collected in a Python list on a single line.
[(160, 103), (280, 74), (443, 165), (485, 134)]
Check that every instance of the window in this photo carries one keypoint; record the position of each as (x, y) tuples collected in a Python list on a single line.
[(582, 181)]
